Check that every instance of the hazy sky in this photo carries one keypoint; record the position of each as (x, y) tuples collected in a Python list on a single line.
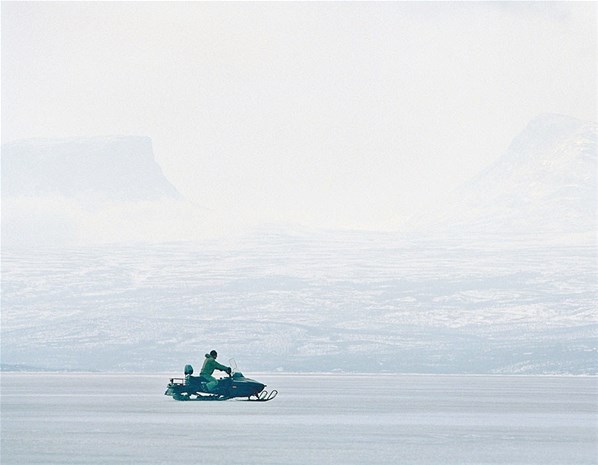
[(326, 114)]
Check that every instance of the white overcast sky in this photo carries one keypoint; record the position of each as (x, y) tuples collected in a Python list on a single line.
[(331, 114)]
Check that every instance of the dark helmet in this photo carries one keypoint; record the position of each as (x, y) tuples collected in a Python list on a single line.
[(213, 353)]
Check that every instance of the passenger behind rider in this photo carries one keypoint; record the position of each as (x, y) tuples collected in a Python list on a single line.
[(209, 365)]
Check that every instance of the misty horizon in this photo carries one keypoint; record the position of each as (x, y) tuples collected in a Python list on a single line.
[(111, 189), (330, 116)]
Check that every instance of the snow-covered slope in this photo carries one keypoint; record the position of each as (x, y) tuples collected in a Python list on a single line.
[(543, 188), (352, 302), (92, 190), (120, 168), (313, 301)]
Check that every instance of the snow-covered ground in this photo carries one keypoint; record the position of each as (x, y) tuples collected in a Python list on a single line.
[(502, 279), (354, 303), (316, 419)]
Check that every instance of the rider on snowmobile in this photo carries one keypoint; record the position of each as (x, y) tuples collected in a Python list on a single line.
[(209, 365)]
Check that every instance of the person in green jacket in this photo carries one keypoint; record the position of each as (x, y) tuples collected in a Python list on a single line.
[(209, 365)]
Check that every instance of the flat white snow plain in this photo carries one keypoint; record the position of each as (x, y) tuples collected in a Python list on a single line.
[(316, 419)]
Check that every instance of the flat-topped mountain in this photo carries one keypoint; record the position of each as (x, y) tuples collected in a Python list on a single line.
[(118, 168)]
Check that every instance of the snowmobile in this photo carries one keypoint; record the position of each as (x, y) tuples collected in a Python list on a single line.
[(234, 386)]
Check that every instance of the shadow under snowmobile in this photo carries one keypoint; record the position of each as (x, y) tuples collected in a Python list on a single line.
[(234, 386)]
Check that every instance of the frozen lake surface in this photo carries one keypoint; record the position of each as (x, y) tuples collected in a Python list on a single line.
[(316, 419)]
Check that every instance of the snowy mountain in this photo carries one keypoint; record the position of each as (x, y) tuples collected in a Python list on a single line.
[(544, 188), (118, 168), (91, 190), (463, 296)]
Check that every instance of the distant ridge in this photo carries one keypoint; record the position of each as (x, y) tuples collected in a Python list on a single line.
[(5, 367), (111, 168), (543, 187), (106, 189)]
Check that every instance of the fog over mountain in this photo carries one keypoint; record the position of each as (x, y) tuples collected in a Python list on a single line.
[(89, 191), (110, 189), (500, 280), (97, 169), (542, 189)]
